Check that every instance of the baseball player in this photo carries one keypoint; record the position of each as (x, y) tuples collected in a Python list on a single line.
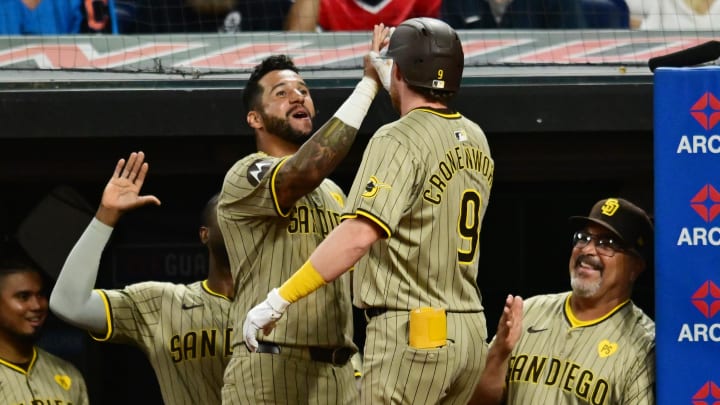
[(182, 329), (29, 374), (275, 207), (591, 345), (416, 206)]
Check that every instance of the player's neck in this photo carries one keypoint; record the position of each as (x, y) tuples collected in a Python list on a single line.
[(14, 351), (275, 146), (220, 281), (592, 308), (412, 100)]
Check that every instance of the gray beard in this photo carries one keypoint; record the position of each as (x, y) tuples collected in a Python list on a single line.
[(583, 288)]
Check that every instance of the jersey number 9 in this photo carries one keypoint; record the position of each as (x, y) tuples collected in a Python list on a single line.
[(469, 225)]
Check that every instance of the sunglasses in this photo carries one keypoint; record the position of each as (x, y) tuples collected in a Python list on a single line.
[(606, 245)]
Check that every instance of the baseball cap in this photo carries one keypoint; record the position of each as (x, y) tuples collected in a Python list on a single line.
[(626, 220)]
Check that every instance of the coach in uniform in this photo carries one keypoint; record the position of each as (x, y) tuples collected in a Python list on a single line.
[(588, 346), (275, 208), (29, 374), (416, 205), (182, 329)]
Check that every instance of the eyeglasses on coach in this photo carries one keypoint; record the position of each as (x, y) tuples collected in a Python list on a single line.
[(606, 245)]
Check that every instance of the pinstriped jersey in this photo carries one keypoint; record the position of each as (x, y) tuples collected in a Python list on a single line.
[(182, 329), (425, 179), (266, 245), (561, 360), (48, 380)]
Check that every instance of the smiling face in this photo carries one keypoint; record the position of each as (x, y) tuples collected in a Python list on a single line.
[(287, 110), (599, 276), (23, 306)]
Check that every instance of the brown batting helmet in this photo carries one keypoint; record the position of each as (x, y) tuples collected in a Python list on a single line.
[(429, 53)]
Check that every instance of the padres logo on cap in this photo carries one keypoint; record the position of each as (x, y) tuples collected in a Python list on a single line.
[(610, 207)]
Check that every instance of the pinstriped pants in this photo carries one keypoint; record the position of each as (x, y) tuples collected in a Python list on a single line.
[(394, 373), (263, 378)]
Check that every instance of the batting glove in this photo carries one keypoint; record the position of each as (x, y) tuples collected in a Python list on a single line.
[(383, 66), (263, 316)]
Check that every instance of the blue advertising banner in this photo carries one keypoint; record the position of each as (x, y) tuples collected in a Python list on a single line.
[(687, 219)]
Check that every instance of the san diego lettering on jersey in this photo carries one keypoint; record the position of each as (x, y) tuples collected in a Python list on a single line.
[(305, 219), (560, 374), (461, 157), (200, 344)]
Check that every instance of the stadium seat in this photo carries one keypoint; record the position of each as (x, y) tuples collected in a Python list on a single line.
[(606, 13)]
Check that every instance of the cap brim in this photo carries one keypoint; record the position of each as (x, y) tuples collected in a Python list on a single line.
[(578, 221)]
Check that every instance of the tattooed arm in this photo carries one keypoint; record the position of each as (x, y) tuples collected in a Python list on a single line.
[(321, 154)]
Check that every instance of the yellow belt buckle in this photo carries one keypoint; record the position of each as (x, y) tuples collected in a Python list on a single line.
[(428, 328)]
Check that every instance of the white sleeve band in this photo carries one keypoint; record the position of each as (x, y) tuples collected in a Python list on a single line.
[(73, 299), (353, 110)]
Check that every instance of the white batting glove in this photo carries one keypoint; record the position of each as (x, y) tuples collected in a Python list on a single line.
[(263, 316), (383, 67)]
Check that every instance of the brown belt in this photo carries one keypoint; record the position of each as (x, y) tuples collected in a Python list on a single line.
[(338, 356)]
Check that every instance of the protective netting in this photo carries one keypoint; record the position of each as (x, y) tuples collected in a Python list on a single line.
[(208, 36)]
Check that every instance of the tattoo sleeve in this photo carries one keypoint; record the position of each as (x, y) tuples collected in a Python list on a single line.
[(314, 161)]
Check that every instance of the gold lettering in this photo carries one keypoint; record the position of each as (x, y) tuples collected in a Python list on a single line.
[(189, 342), (176, 354), (312, 220), (293, 226), (303, 219), (208, 343), (535, 369), (445, 171), (600, 392), (553, 372), (518, 367), (582, 389), (474, 159), (458, 155), (227, 342), (570, 376), (324, 229), (437, 182)]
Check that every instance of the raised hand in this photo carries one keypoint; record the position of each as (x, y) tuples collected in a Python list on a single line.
[(382, 66), (122, 192), (510, 325)]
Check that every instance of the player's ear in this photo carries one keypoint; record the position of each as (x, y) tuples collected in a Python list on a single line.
[(204, 234), (395, 72), (254, 120), (637, 266)]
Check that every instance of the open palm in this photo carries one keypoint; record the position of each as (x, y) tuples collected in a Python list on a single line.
[(122, 192)]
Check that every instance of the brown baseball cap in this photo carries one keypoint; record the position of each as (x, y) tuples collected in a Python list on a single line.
[(626, 220)]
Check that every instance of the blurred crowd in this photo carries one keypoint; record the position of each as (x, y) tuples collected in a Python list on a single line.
[(54, 17)]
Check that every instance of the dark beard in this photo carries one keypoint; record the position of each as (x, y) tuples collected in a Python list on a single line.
[(282, 129)]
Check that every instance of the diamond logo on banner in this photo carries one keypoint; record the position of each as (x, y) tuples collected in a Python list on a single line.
[(707, 299), (706, 203), (706, 111), (708, 394)]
